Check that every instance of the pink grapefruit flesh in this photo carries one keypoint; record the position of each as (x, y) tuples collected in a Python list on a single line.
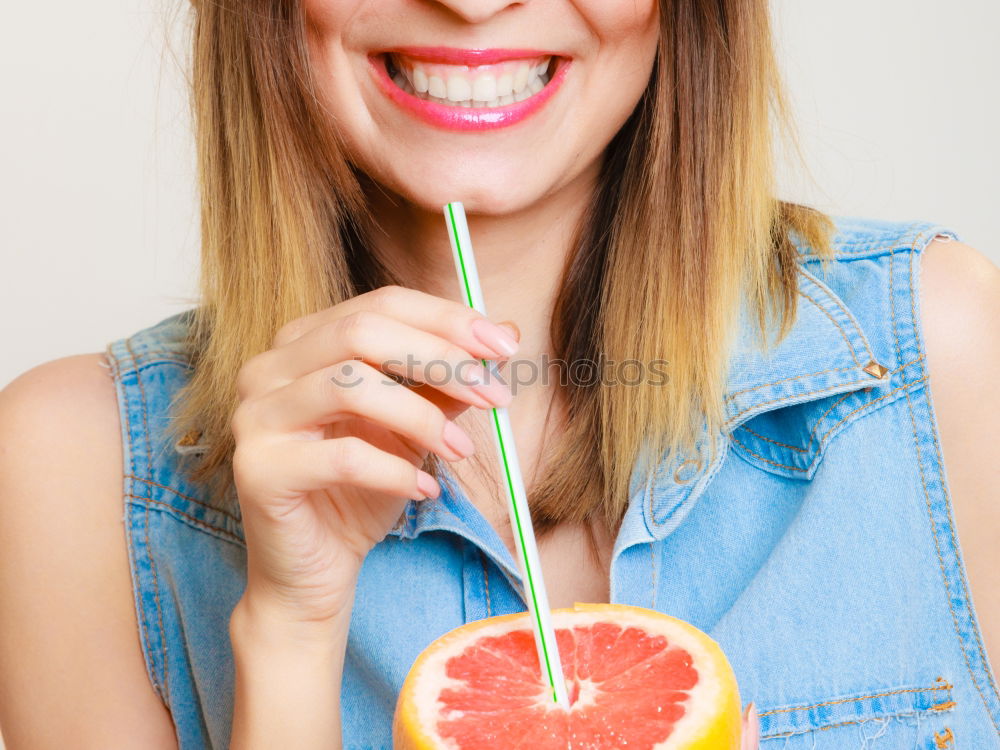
[(637, 680)]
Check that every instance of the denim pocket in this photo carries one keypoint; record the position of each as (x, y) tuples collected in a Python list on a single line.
[(893, 718)]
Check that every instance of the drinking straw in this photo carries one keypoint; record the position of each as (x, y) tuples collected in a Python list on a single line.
[(520, 517)]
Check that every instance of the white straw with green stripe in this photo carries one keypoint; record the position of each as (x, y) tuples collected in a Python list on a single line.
[(520, 518)]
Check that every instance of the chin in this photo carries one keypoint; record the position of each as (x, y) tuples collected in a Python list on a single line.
[(482, 189)]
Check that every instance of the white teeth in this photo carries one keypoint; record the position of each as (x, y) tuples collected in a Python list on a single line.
[(521, 77), (437, 88), (485, 88), (484, 91), (420, 82), (459, 89), (505, 85)]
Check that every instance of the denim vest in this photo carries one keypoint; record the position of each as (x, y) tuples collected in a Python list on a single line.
[(816, 542)]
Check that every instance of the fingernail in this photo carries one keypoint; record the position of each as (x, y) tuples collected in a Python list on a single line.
[(427, 485), (488, 385), (456, 439), (494, 337)]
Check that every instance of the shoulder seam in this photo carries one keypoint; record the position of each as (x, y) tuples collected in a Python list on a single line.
[(941, 505), (913, 235)]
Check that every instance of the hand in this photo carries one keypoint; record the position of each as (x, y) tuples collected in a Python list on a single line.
[(328, 447), (751, 728)]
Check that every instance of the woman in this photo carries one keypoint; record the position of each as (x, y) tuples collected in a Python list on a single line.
[(297, 527)]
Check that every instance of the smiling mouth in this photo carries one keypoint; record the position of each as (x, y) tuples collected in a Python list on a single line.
[(477, 86)]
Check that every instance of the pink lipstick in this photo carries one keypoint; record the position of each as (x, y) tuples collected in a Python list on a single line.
[(469, 89)]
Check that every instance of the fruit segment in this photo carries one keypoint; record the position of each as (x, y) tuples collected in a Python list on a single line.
[(637, 679)]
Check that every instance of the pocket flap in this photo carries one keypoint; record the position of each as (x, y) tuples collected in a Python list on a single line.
[(785, 721)]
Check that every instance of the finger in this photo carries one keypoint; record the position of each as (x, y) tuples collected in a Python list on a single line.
[(355, 389), (453, 408), (446, 318), (750, 738), (384, 342), (300, 466)]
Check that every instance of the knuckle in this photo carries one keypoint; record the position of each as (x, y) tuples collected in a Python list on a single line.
[(431, 421), (242, 420), (247, 378), (343, 383), (385, 297), (245, 466), (454, 362), (346, 459), (288, 332), (352, 329), (455, 354), (236, 424)]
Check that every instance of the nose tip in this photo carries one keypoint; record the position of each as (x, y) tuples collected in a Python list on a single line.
[(478, 11)]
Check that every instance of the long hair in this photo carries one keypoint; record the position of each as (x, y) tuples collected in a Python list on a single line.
[(683, 228)]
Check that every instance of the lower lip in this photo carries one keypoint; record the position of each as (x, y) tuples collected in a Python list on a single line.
[(467, 118)]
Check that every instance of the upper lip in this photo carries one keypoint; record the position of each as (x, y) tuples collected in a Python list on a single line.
[(470, 57)]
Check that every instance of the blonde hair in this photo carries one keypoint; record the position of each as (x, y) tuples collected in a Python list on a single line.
[(683, 227)]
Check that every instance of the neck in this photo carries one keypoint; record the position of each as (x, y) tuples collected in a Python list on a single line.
[(520, 256)]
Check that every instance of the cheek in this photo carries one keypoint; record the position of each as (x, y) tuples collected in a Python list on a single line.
[(620, 20), (329, 17)]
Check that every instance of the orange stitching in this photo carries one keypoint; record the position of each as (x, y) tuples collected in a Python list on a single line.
[(943, 706), (826, 435), (690, 489), (855, 699), (951, 520), (923, 479), (140, 615), (194, 500), (778, 442), (940, 461), (867, 403), (944, 738), (151, 363), (840, 327), (149, 554), (149, 357), (850, 316), (786, 397), (817, 283), (833, 726), (877, 244), (189, 517), (486, 583), (731, 396), (821, 416)]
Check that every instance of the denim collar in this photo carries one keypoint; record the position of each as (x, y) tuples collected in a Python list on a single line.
[(824, 353)]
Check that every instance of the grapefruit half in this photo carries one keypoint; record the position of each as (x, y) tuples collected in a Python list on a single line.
[(637, 680)]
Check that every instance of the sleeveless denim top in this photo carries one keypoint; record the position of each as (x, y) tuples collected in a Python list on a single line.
[(817, 546)]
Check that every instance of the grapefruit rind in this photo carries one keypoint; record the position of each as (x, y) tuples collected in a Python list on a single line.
[(712, 711)]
